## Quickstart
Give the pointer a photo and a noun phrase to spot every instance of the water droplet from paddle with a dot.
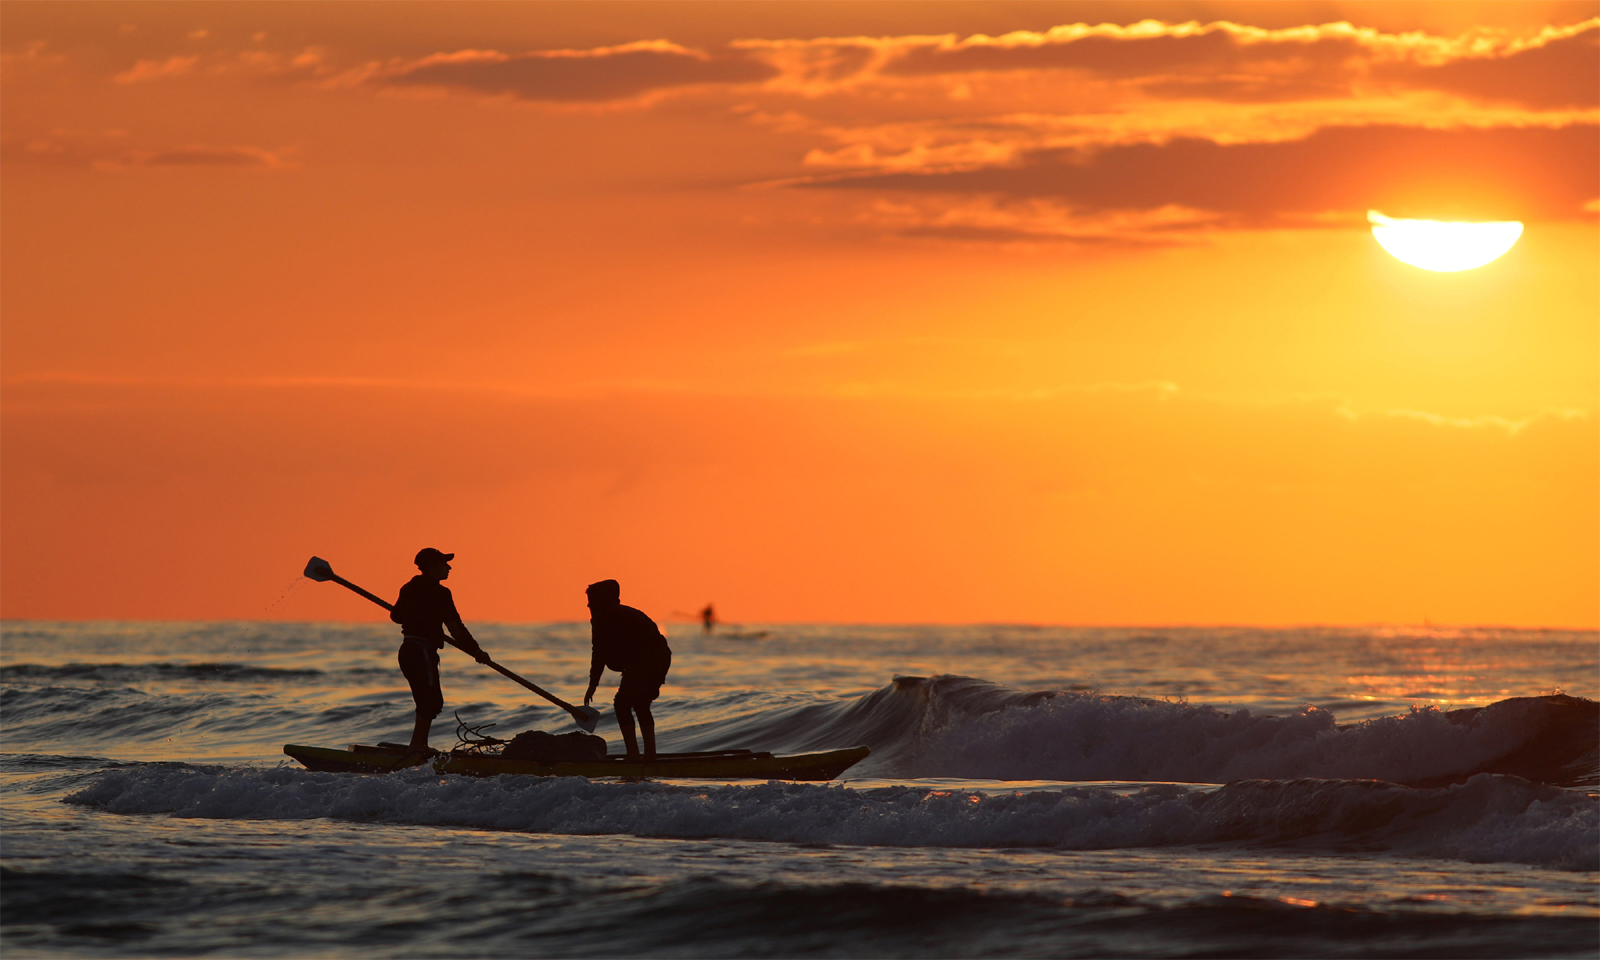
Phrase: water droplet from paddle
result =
(293, 586)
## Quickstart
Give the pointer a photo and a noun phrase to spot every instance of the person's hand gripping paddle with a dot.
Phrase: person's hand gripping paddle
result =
(319, 570)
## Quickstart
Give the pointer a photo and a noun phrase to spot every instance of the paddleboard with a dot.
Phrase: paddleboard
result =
(717, 764)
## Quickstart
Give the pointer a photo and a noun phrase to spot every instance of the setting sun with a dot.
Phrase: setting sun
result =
(1443, 246)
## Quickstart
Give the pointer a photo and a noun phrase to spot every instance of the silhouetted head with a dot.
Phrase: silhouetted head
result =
(606, 593)
(434, 563)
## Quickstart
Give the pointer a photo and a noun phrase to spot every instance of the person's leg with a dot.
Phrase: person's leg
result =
(419, 733)
(625, 724)
(647, 726)
(421, 669)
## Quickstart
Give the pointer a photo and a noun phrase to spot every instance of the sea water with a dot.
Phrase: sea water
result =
(1046, 792)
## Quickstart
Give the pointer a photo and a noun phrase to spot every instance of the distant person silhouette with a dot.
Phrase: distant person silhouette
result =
(630, 643)
(424, 610)
(708, 618)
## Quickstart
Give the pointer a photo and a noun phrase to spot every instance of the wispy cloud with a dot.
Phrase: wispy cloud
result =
(1150, 49)
(600, 74)
(1511, 425)
(987, 218)
(146, 70)
(201, 156)
(110, 151)
(1545, 73)
(1229, 61)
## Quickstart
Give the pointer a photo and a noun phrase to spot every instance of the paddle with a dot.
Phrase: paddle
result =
(586, 717)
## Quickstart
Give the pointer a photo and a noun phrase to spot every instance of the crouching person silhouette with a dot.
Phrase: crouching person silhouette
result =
(627, 641)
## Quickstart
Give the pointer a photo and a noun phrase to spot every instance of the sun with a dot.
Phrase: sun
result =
(1442, 246)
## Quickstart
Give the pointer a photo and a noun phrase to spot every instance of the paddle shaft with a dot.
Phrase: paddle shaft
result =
(341, 581)
(536, 689)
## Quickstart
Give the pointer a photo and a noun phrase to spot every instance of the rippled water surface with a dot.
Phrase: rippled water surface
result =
(1031, 792)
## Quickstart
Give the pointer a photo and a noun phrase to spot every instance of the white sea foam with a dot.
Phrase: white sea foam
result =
(1487, 819)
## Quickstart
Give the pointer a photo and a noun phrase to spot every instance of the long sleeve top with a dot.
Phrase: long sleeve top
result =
(425, 609)
(625, 639)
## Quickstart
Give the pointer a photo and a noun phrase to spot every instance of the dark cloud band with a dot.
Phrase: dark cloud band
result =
(587, 76)
(1502, 173)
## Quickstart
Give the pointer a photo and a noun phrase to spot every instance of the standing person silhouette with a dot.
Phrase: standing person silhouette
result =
(630, 643)
(708, 618)
(424, 610)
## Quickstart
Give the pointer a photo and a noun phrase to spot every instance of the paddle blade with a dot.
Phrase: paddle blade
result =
(318, 569)
(586, 718)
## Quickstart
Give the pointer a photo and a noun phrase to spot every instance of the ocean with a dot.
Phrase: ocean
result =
(1032, 791)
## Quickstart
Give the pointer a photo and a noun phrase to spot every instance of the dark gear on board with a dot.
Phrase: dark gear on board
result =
(627, 641)
(424, 611)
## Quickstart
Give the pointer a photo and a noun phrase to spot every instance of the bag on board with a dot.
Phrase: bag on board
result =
(551, 748)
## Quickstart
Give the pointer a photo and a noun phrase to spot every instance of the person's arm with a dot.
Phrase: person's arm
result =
(402, 605)
(597, 665)
(460, 637)
(462, 640)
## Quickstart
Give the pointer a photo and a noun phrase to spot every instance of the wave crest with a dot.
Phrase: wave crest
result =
(958, 727)
(1489, 818)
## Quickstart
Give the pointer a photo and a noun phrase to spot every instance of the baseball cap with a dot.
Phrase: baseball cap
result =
(428, 555)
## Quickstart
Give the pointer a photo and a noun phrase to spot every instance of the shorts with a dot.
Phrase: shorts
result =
(640, 687)
(420, 664)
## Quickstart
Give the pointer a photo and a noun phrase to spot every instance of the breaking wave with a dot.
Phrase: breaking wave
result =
(960, 727)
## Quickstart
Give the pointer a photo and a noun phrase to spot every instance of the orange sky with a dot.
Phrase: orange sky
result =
(855, 312)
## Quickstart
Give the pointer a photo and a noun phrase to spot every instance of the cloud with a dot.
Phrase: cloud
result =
(1140, 50)
(990, 219)
(606, 73)
(145, 70)
(1510, 425)
(106, 152)
(1235, 62)
(203, 156)
(1500, 173)
(1559, 72)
